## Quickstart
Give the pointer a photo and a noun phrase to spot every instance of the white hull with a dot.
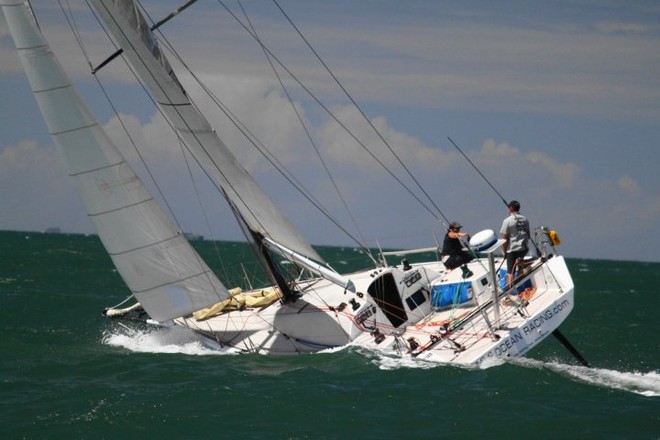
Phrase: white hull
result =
(326, 316)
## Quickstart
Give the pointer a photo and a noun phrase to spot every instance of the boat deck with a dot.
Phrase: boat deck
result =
(472, 332)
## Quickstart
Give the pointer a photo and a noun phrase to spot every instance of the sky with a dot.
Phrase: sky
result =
(557, 104)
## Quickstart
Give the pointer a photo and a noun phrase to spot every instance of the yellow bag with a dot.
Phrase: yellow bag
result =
(553, 237)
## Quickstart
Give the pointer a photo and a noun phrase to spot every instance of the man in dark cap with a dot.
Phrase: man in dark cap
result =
(453, 247)
(515, 230)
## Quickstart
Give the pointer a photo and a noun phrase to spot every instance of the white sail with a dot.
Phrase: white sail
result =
(154, 259)
(140, 47)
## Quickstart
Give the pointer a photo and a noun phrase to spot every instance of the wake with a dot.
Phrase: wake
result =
(180, 340)
(646, 384)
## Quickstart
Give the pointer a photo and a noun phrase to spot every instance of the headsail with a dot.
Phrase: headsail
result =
(154, 259)
(256, 209)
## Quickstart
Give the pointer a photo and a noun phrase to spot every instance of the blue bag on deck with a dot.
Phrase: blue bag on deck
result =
(501, 275)
(445, 295)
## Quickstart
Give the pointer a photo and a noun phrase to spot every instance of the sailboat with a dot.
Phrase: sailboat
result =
(421, 310)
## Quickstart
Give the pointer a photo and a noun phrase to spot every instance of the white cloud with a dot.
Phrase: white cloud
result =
(15, 159)
(628, 184)
(610, 27)
(365, 147)
(565, 173)
(503, 149)
(537, 163)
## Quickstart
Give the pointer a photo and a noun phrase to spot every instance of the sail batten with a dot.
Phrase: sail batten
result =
(127, 251)
(122, 207)
(36, 92)
(81, 173)
(155, 261)
(191, 277)
(82, 127)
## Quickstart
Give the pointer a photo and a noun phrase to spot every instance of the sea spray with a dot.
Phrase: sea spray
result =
(158, 340)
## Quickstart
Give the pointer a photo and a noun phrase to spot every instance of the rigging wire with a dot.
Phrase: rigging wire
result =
(493, 187)
(146, 166)
(116, 112)
(204, 149)
(71, 21)
(536, 247)
(239, 217)
(145, 161)
(172, 14)
(318, 205)
(74, 30)
(336, 119)
(308, 134)
(477, 170)
(261, 147)
(359, 109)
(200, 204)
(256, 142)
(270, 265)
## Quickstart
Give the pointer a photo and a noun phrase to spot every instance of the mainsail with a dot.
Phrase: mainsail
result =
(157, 263)
(256, 209)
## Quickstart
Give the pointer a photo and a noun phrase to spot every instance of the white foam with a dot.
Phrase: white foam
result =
(387, 363)
(492, 362)
(392, 360)
(160, 340)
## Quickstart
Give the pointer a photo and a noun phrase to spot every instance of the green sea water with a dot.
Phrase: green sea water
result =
(68, 373)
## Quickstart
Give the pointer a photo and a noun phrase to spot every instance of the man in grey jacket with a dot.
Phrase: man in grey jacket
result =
(515, 230)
